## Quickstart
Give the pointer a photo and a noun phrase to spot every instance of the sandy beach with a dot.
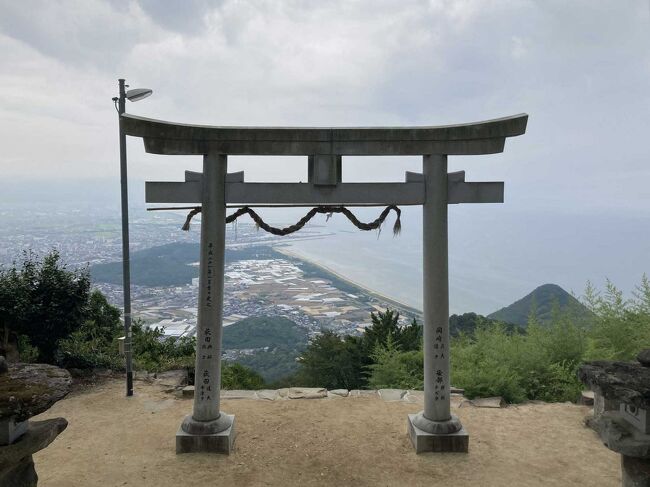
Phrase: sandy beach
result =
(296, 254)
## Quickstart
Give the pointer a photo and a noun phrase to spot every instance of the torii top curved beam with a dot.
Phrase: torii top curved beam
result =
(487, 137)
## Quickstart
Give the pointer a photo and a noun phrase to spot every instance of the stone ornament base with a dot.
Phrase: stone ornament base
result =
(422, 441)
(221, 442)
(16, 461)
(636, 471)
(10, 430)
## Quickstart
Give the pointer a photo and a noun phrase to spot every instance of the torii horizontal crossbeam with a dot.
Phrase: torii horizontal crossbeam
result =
(306, 194)
(487, 137)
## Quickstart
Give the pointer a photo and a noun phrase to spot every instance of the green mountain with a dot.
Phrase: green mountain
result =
(169, 265)
(284, 338)
(264, 331)
(467, 323)
(542, 301)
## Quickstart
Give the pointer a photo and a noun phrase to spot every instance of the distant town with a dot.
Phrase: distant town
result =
(276, 284)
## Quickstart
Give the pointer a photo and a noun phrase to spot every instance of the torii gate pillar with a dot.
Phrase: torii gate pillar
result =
(207, 428)
(435, 428)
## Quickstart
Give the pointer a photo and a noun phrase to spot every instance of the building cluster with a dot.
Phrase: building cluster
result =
(268, 287)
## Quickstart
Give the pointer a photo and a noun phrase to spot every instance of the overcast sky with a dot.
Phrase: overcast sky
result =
(577, 196)
(580, 69)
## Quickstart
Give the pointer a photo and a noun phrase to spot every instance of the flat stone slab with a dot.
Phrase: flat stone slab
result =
(238, 394)
(484, 402)
(307, 393)
(426, 442)
(29, 389)
(188, 391)
(414, 396)
(363, 393)
(340, 392)
(222, 442)
(391, 394)
(268, 394)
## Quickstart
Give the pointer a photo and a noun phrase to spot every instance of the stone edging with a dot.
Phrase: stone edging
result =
(388, 395)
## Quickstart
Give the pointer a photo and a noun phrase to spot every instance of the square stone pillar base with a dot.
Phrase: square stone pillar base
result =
(423, 442)
(222, 442)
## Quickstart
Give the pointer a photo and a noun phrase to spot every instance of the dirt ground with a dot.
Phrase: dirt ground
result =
(112, 440)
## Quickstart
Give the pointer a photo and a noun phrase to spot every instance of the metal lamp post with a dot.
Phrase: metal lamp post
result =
(131, 95)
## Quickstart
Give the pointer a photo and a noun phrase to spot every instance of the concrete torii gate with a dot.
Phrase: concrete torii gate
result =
(434, 428)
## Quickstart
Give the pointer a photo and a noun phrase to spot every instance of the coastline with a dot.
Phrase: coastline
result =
(292, 253)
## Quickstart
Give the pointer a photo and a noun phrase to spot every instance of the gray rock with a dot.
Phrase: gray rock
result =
(391, 394)
(172, 378)
(188, 391)
(644, 357)
(29, 389)
(306, 393)
(3, 365)
(80, 373)
(143, 375)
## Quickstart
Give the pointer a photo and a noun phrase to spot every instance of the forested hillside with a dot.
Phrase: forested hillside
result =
(539, 305)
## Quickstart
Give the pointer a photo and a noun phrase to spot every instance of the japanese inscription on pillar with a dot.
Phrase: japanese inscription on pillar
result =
(440, 387)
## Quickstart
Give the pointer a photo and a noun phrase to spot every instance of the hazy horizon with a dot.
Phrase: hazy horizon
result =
(498, 252)
(576, 184)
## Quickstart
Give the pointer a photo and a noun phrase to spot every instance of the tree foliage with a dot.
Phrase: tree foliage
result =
(43, 300)
(337, 362)
(333, 362)
(385, 327)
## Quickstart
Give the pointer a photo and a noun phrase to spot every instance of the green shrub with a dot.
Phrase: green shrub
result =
(83, 352)
(392, 368)
(236, 376)
(486, 363)
(43, 300)
(154, 352)
(27, 352)
(622, 327)
(557, 382)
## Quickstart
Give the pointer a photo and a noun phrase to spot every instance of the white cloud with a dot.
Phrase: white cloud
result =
(581, 69)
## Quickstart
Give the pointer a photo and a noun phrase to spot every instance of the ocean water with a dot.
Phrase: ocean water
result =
(496, 256)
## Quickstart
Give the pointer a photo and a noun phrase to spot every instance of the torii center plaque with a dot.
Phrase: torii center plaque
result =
(434, 428)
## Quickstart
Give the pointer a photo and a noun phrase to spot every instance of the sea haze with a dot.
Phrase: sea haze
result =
(496, 255)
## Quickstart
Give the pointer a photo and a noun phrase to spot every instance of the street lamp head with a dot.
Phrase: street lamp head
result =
(138, 94)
